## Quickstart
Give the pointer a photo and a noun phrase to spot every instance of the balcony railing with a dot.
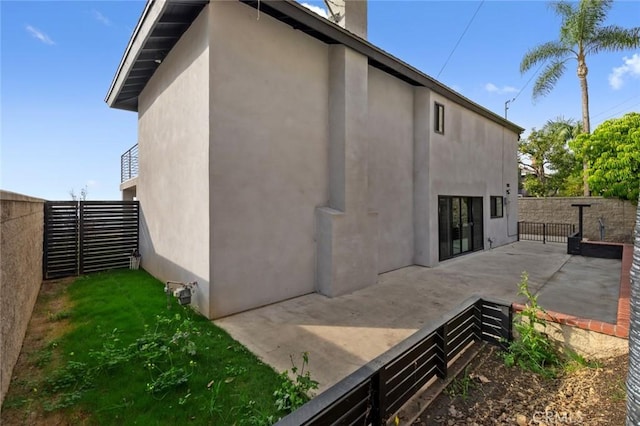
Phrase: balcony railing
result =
(129, 164)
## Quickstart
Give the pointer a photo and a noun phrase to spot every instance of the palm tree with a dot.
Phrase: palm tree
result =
(633, 375)
(581, 33)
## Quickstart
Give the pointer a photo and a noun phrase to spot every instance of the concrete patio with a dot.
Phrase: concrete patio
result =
(343, 333)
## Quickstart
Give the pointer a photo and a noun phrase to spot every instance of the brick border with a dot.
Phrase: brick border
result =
(621, 327)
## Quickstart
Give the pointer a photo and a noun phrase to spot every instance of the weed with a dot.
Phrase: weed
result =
(250, 415)
(59, 316)
(42, 357)
(234, 370)
(532, 350)
(109, 364)
(214, 408)
(461, 386)
(574, 361)
(619, 394)
(293, 394)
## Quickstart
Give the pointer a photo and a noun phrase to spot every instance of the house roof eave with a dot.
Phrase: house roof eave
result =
(139, 55)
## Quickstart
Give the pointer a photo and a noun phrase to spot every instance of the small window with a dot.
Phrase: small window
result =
(496, 207)
(438, 116)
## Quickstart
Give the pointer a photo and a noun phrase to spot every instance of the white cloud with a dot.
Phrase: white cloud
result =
(37, 34)
(317, 9)
(92, 182)
(492, 88)
(101, 18)
(630, 68)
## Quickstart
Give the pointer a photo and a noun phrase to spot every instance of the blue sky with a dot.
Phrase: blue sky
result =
(58, 60)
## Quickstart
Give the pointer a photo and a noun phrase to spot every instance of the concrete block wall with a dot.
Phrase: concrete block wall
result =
(617, 215)
(21, 233)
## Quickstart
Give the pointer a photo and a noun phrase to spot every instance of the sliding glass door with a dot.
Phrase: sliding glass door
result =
(459, 225)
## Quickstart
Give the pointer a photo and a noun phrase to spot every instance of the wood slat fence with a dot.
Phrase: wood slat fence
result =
(372, 394)
(88, 236)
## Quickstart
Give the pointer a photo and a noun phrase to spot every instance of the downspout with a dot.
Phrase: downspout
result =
(507, 202)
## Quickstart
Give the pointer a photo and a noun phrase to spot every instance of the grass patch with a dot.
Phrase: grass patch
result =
(126, 359)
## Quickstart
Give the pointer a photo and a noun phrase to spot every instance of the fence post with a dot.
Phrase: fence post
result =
(378, 402)
(80, 207)
(442, 359)
(519, 231)
(544, 233)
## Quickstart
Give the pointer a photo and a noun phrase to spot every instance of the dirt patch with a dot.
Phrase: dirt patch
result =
(489, 393)
(47, 324)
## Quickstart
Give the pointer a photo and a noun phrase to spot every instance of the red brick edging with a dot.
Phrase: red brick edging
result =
(621, 327)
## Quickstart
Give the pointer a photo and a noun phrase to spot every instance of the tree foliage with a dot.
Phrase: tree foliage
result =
(548, 160)
(582, 33)
(613, 150)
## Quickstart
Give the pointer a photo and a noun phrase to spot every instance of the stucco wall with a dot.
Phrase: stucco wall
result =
(618, 215)
(474, 157)
(21, 233)
(273, 165)
(173, 183)
(269, 157)
(391, 167)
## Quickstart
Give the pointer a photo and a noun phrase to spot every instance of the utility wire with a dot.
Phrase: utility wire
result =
(625, 109)
(613, 107)
(529, 81)
(460, 39)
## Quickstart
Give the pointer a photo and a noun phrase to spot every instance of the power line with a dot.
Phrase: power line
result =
(615, 106)
(529, 81)
(627, 109)
(460, 39)
(510, 101)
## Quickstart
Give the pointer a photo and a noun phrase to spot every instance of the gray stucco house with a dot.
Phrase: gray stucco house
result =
(281, 154)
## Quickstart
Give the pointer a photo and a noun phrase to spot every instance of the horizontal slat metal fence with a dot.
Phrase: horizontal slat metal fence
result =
(88, 236)
(60, 251)
(379, 389)
(545, 232)
(108, 234)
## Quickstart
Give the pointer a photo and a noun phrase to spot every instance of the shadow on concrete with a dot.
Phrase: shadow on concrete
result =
(343, 333)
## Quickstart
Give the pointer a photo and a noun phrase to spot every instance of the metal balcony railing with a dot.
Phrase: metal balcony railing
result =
(129, 164)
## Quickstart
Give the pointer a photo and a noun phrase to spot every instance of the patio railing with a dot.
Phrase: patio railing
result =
(375, 392)
(129, 164)
(545, 232)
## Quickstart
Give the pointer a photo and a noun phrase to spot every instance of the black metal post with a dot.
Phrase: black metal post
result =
(580, 217)
(442, 360)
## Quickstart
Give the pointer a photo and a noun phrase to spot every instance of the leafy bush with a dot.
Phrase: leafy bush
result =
(532, 349)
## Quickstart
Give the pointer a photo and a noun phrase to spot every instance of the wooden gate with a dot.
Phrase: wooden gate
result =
(88, 236)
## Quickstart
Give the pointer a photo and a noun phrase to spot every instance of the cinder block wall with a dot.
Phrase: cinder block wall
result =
(618, 215)
(21, 233)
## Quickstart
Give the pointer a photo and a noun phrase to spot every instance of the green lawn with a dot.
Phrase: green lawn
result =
(127, 359)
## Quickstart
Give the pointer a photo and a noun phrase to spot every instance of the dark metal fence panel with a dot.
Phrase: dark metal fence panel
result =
(379, 389)
(495, 322)
(88, 236)
(60, 251)
(545, 232)
(108, 234)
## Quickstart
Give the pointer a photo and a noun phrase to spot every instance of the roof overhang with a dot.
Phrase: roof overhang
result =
(160, 27)
(164, 21)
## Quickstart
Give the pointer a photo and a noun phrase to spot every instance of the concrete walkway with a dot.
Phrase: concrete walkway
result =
(343, 333)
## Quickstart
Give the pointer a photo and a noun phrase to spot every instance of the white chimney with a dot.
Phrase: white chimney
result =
(350, 15)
